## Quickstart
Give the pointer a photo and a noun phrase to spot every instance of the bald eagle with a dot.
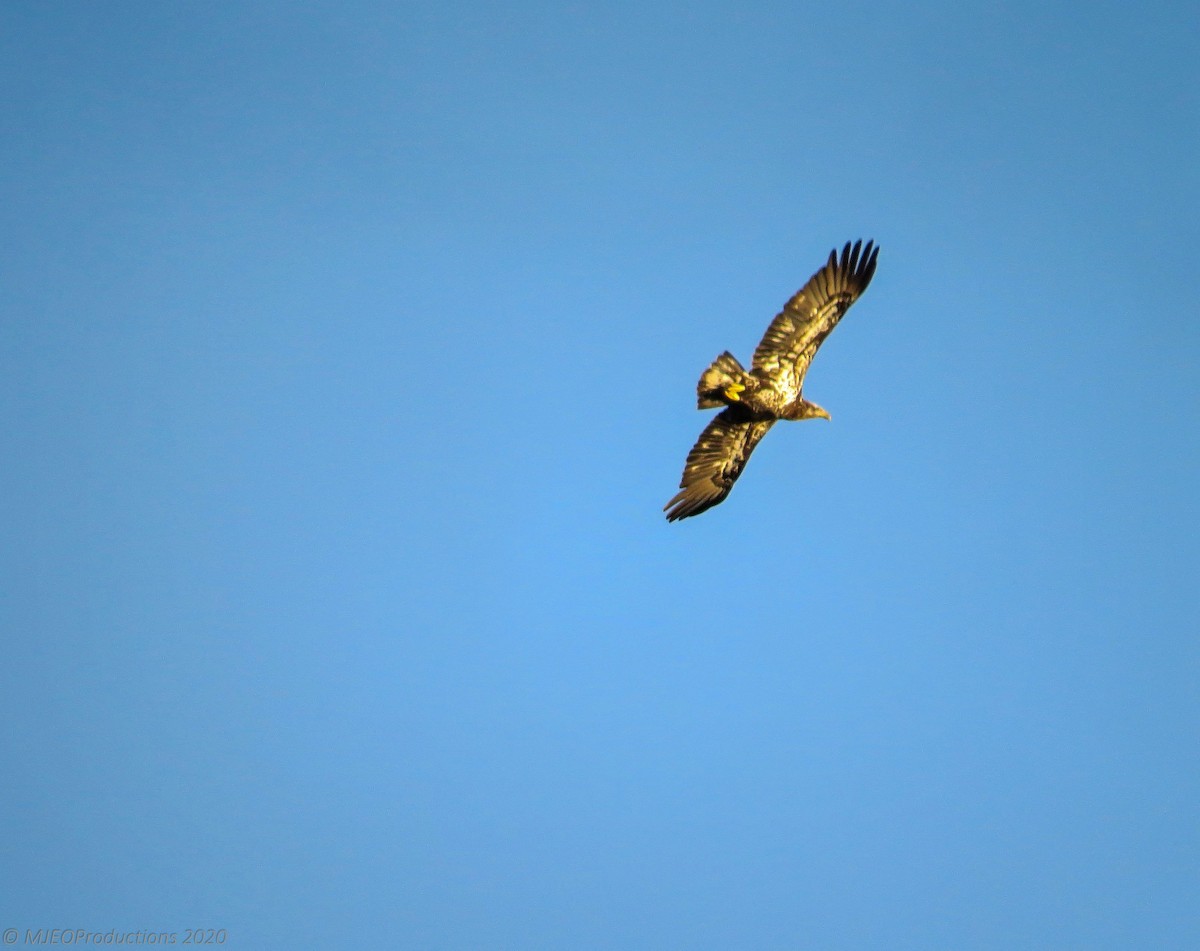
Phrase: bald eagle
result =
(771, 390)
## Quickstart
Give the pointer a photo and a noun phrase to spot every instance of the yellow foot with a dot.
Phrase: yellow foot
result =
(732, 391)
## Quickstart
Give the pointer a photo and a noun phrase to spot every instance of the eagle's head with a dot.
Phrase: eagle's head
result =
(811, 411)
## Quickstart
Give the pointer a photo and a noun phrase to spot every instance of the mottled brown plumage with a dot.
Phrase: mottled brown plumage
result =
(771, 389)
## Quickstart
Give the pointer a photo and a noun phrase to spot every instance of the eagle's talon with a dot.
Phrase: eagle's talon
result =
(732, 391)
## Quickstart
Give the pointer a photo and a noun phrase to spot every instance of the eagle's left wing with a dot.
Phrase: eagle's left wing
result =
(716, 461)
(788, 346)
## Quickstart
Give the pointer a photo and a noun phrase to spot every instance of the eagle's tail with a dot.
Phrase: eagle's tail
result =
(721, 383)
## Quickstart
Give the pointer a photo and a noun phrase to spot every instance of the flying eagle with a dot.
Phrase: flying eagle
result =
(771, 390)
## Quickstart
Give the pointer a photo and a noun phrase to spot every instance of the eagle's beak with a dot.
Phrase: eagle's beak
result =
(823, 413)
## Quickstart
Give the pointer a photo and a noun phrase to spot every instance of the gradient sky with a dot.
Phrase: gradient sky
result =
(347, 357)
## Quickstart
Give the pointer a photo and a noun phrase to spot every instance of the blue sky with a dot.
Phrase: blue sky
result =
(348, 353)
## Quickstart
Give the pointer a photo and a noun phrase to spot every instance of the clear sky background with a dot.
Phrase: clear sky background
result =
(347, 357)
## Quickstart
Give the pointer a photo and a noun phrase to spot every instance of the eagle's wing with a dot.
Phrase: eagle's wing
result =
(716, 461)
(797, 331)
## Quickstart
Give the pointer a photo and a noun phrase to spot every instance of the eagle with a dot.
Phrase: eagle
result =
(771, 390)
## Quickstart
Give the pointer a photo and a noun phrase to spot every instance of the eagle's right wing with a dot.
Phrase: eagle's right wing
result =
(715, 462)
(792, 339)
